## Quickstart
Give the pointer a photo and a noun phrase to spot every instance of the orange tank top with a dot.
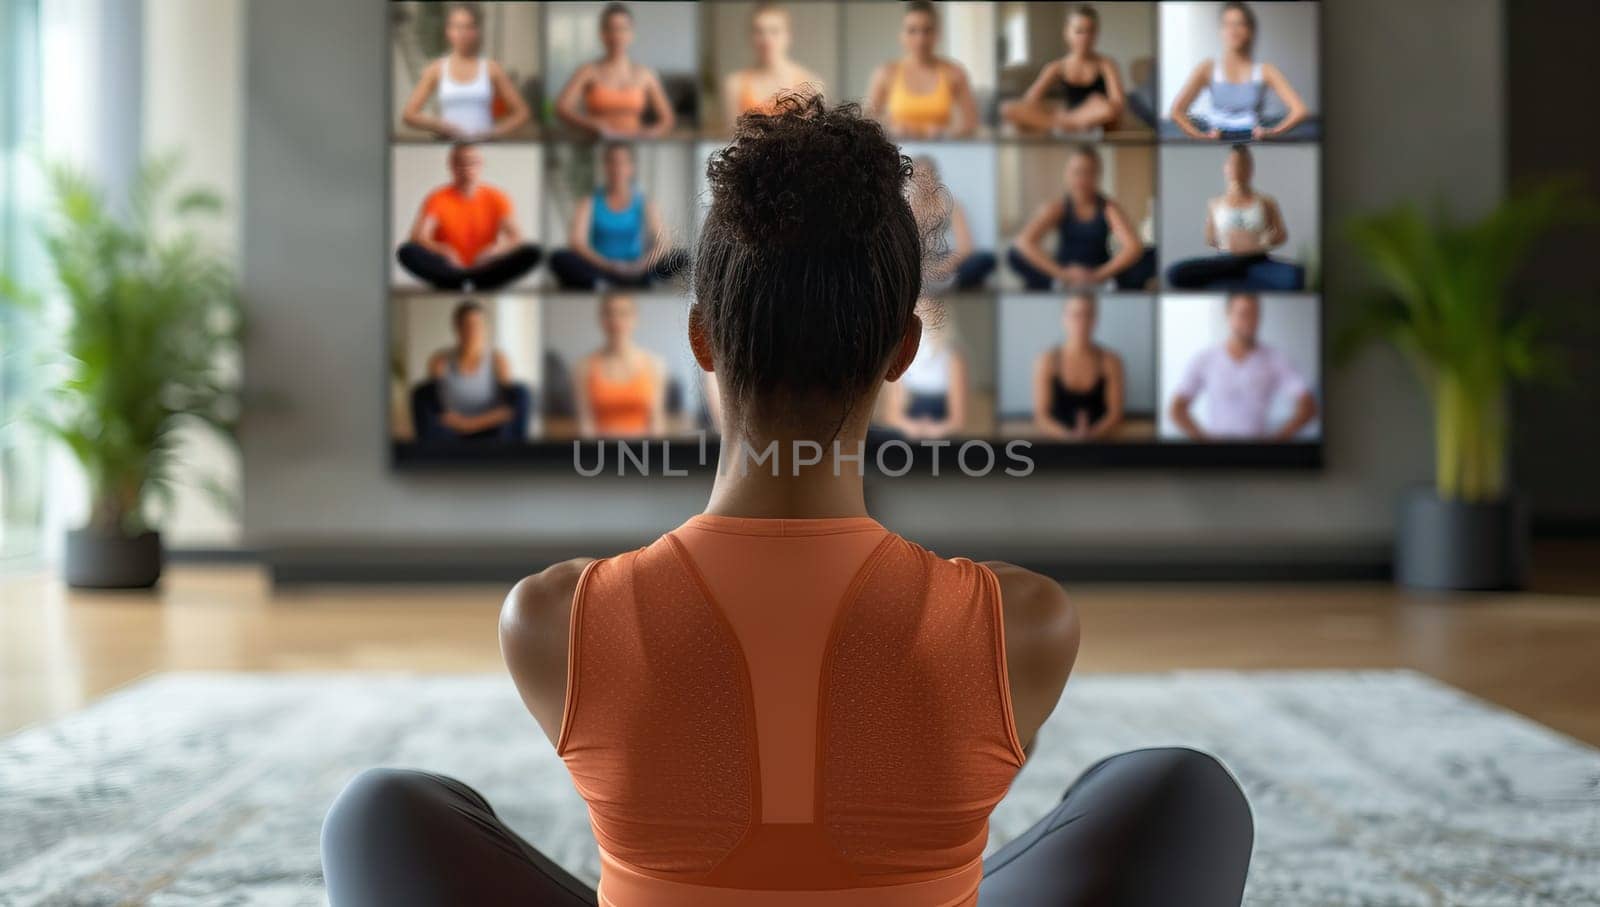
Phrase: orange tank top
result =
(773, 713)
(619, 107)
(620, 407)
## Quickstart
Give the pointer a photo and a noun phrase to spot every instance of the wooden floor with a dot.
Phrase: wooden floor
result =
(1537, 653)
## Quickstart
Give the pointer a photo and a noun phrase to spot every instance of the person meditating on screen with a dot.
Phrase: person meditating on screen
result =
(466, 85)
(959, 265)
(930, 399)
(1235, 88)
(1078, 386)
(470, 394)
(1080, 92)
(464, 235)
(1241, 379)
(1085, 222)
(782, 702)
(923, 95)
(616, 235)
(1244, 225)
(608, 97)
(621, 387)
(771, 33)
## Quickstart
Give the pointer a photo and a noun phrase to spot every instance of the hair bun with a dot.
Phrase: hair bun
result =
(806, 172)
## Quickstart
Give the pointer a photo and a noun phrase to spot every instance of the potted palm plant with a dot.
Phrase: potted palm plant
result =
(1442, 299)
(149, 334)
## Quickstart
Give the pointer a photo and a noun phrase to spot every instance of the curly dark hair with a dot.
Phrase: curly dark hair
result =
(809, 263)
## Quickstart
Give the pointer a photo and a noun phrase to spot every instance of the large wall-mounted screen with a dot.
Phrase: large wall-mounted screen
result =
(1131, 271)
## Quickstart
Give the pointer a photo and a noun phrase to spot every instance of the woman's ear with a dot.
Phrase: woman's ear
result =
(699, 339)
(907, 350)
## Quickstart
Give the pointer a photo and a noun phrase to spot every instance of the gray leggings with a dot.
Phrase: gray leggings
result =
(1140, 829)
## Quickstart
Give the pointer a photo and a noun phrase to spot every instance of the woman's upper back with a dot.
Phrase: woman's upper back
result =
(789, 705)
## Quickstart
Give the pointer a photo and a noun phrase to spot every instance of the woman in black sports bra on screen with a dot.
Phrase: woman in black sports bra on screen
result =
(1078, 385)
(1085, 223)
(1081, 92)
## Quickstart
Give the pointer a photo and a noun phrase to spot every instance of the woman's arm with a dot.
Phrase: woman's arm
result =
(956, 397)
(660, 243)
(1029, 242)
(1191, 90)
(877, 98)
(730, 100)
(1115, 94)
(1042, 633)
(658, 405)
(578, 233)
(1277, 232)
(1280, 86)
(415, 114)
(580, 396)
(1112, 420)
(534, 623)
(966, 104)
(1041, 83)
(1129, 248)
(517, 114)
(656, 96)
(1043, 422)
(569, 103)
(1213, 241)
(960, 234)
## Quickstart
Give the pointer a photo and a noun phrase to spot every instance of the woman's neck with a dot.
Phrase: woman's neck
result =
(917, 58)
(617, 346)
(464, 56)
(1078, 345)
(615, 58)
(830, 488)
(1237, 56)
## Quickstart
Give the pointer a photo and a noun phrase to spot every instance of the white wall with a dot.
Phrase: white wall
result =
(1192, 175)
(1286, 36)
(1031, 324)
(417, 170)
(1191, 323)
(193, 61)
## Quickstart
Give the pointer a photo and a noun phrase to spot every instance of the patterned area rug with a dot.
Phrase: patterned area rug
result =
(1368, 788)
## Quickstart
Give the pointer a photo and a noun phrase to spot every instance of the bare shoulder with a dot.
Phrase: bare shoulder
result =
(533, 639)
(1042, 635)
(541, 602)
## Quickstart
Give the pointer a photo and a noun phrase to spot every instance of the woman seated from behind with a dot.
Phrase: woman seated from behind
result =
(782, 702)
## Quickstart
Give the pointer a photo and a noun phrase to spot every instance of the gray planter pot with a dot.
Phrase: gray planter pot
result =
(99, 560)
(1458, 545)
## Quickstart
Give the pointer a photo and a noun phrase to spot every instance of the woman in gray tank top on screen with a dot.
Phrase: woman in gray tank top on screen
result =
(1234, 88)
(470, 393)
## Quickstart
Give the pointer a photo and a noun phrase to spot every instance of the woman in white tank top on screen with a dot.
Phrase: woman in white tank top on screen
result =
(1243, 225)
(1234, 88)
(464, 85)
(930, 399)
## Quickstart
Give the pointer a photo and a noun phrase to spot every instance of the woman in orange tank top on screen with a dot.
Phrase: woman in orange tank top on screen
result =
(782, 702)
(773, 73)
(620, 386)
(609, 97)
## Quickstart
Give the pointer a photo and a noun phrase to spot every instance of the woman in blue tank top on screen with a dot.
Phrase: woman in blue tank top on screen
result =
(616, 236)
(1235, 88)
(1085, 223)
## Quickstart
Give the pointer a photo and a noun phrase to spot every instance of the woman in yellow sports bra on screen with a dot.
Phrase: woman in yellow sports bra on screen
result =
(609, 97)
(782, 702)
(923, 95)
(773, 73)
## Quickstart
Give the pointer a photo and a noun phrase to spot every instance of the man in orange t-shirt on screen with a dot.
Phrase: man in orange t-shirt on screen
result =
(464, 235)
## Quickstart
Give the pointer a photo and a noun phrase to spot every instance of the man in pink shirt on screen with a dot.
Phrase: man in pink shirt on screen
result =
(1241, 378)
